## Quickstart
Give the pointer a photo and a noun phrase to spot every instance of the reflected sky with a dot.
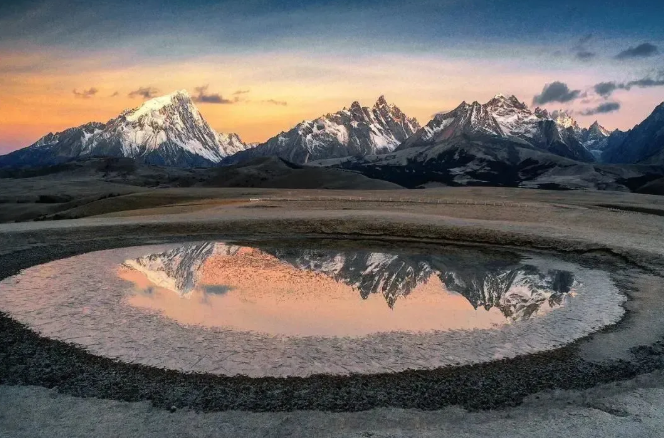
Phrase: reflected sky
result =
(301, 292)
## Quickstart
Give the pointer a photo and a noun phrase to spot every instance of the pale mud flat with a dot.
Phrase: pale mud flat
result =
(570, 222)
(633, 408)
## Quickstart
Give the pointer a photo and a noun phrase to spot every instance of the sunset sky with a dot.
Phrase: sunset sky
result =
(258, 67)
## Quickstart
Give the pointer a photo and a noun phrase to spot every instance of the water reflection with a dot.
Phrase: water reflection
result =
(261, 311)
(307, 292)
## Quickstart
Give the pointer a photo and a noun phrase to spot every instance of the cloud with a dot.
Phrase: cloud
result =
(585, 55)
(144, 92)
(86, 94)
(603, 108)
(204, 97)
(645, 83)
(238, 92)
(116, 94)
(641, 51)
(556, 92)
(605, 89)
(275, 102)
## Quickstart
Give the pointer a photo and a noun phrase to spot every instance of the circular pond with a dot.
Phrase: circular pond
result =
(266, 310)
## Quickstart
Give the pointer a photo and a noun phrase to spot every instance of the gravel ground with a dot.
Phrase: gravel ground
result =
(635, 256)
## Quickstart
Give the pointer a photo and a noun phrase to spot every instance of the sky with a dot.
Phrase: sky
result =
(259, 67)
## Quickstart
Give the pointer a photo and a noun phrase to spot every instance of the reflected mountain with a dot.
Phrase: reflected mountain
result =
(487, 279)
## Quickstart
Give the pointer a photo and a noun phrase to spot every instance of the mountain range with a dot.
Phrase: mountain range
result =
(485, 279)
(501, 142)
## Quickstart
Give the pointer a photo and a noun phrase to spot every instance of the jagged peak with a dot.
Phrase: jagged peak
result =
(381, 101)
(355, 105)
(182, 92)
(503, 100)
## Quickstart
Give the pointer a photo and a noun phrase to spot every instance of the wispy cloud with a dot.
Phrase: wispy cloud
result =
(605, 89)
(203, 96)
(116, 94)
(275, 102)
(238, 92)
(85, 94)
(144, 92)
(581, 50)
(644, 50)
(585, 55)
(603, 108)
(556, 92)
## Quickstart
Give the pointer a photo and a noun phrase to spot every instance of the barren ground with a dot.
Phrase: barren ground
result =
(622, 232)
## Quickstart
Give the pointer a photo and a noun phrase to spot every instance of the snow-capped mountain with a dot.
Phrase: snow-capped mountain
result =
(505, 117)
(356, 130)
(167, 130)
(595, 139)
(484, 279)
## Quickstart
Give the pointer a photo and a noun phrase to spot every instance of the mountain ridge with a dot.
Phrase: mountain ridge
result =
(505, 117)
(355, 130)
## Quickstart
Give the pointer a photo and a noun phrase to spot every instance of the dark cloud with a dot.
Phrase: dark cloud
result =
(275, 102)
(556, 92)
(204, 97)
(585, 55)
(144, 92)
(603, 108)
(641, 51)
(116, 94)
(605, 89)
(645, 83)
(86, 94)
(238, 92)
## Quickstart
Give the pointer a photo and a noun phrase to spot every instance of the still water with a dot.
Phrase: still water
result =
(276, 311)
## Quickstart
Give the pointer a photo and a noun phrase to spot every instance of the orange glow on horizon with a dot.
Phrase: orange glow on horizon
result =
(37, 90)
